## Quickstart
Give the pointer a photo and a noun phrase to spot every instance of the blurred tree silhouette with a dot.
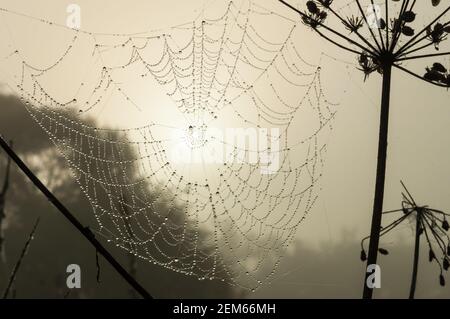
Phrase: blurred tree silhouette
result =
(58, 244)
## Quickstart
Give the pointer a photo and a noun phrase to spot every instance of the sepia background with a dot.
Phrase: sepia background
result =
(322, 262)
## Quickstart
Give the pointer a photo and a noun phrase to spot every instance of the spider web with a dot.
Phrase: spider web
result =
(230, 220)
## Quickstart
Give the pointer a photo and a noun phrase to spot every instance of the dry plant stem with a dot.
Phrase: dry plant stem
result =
(85, 231)
(380, 177)
(12, 278)
(416, 258)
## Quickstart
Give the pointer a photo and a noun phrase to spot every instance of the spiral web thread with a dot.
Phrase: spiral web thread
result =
(228, 221)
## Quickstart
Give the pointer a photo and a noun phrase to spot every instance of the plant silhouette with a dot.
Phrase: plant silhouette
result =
(430, 222)
(380, 49)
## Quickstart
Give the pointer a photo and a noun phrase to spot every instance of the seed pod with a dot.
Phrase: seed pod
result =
(445, 225)
(439, 67)
(442, 280)
(312, 7)
(323, 15)
(363, 255)
(435, 2)
(431, 255)
(445, 264)
(409, 16)
(407, 31)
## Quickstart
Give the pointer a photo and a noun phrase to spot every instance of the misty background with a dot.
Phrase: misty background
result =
(323, 262)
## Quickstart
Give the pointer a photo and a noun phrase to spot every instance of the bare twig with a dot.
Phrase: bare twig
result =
(125, 213)
(19, 261)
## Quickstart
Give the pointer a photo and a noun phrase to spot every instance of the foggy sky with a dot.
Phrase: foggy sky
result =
(324, 260)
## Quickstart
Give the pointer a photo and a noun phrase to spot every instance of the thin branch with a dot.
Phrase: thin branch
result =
(405, 8)
(438, 211)
(439, 240)
(441, 230)
(97, 266)
(425, 230)
(379, 29)
(410, 9)
(434, 218)
(393, 211)
(409, 194)
(369, 27)
(397, 33)
(417, 49)
(430, 246)
(387, 24)
(336, 43)
(19, 261)
(418, 76)
(388, 228)
(423, 56)
(429, 212)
